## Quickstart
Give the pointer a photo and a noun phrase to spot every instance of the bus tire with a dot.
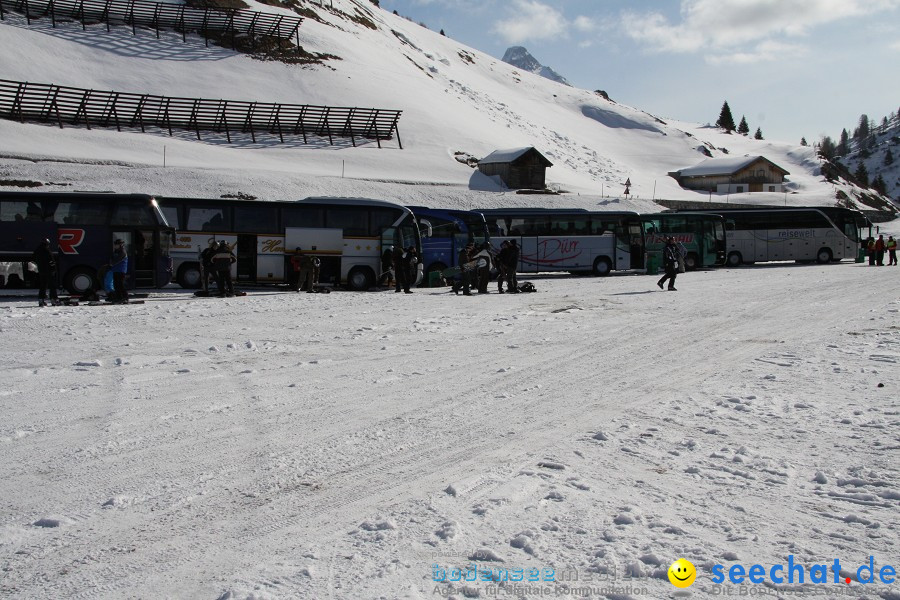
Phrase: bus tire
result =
(691, 261)
(823, 256)
(189, 276)
(80, 280)
(360, 279)
(602, 266)
(734, 259)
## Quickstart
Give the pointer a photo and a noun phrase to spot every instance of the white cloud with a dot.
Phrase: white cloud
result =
(895, 46)
(763, 52)
(584, 24)
(531, 20)
(727, 25)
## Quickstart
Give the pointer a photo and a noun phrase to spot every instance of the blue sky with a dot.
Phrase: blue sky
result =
(792, 67)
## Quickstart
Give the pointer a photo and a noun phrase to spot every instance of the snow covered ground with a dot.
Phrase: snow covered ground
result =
(339, 446)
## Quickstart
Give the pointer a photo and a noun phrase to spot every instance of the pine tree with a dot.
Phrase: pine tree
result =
(862, 131)
(758, 134)
(803, 142)
(826, 148)
(862, 175)
(879, 185)
(843, 146)
(888, 158)
(726, 121)
(442, 33)
(743, 128)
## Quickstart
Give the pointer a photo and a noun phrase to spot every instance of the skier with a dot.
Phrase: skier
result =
(671, 260)
(46, 266)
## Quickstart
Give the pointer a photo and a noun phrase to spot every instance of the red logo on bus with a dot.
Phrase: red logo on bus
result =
(69, 240)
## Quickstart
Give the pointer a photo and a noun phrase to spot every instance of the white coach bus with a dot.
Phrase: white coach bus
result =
(348, 235)
(822, 234)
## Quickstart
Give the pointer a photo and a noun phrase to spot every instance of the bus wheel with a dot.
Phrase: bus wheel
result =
(189, 276)
(80, 280)
(602, 266)
(690, 261)
(735, 259)
(360, 279)
(823, 256)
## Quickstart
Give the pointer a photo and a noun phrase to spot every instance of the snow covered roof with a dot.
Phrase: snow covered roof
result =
(723, 166)
(504, 156)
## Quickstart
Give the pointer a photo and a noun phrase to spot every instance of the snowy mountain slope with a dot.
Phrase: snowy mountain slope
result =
(454, 98)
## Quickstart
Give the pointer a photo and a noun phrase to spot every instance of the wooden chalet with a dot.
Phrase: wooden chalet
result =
(733, 175)
(518, 168)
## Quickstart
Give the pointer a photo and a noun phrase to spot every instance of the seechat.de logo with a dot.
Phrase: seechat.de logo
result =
(682, 573)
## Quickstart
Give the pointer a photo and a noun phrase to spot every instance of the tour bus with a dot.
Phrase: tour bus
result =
(702, 235)
(450, 231)
(820, 233)
(574, 240)
(347, 235)
(81, 228)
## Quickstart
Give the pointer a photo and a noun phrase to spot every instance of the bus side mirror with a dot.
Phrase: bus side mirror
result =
(428, 230)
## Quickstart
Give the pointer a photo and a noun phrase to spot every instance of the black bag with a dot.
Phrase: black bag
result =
(527, 287)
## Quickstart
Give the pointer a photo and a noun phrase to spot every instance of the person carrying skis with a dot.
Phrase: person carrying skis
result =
(671, 260)
(46, 266)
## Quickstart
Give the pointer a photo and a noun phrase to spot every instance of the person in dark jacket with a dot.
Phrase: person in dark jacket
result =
(671, 258)
(222, 261)
(401, 260)
(206, 266)
(407, 268)
(46, 266)
(512, 265)
(483, 270)
(465, 274)
(502, 258)
(387, 267)
(118, 264)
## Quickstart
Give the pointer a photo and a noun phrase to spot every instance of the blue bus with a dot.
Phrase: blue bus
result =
(81, 228)
(450, 231)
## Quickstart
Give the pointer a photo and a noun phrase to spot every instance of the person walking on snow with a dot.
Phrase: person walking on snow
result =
(671, 261)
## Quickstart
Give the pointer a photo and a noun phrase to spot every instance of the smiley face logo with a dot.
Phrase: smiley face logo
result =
(682, 573)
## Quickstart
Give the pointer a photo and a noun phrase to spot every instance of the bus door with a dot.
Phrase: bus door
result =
(245, 252)
(144, 256)
(629, 246)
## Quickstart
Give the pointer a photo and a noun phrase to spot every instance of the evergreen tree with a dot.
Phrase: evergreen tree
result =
(888, 158)
(879, 185)
(743, 128)
(803, 142)
(843, 146)
(862, 131)
(826, 148)
(758, 134)
(884, 124)
(871, 141)
(862, 175)
(726, 121)
(442, 33)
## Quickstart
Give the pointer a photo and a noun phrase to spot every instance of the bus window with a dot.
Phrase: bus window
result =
(381, 219)
(599, 227)
(13, 211)
(353, 222)
(255, 219)
(302, 216)
(133, 213)
(172, 215)
(569, 226)
(81, 213)
(201, 218)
